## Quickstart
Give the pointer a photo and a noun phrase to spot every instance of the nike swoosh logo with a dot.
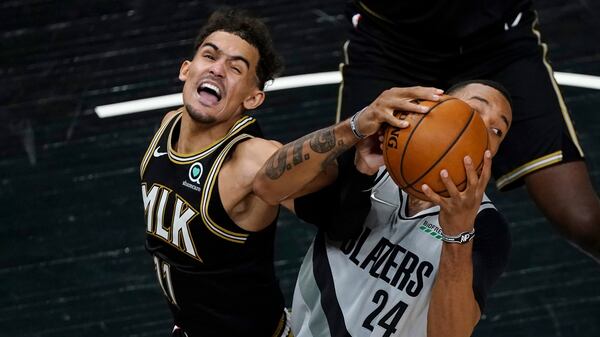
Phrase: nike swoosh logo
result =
(158, 154)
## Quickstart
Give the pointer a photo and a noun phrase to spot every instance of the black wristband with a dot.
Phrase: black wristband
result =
(461, 238)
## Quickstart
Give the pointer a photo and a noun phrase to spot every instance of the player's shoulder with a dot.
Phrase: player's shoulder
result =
(252, 153)
(169, 115)
(257, 147)
(261, 143)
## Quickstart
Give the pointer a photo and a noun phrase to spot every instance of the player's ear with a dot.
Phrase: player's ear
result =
(254, 100)
(184, 70)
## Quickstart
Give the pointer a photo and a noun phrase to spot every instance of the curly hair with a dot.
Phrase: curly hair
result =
(251, 30)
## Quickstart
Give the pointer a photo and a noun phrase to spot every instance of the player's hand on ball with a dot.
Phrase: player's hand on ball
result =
(369, 156)
(381, 110)
(458, 212)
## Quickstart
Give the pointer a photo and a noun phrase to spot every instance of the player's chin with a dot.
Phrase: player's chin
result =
(200, 114)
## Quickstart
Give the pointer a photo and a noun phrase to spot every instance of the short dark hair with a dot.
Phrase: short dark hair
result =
(489, 83)
(251, 30)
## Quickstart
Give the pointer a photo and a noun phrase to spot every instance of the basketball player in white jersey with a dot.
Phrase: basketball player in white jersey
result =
(413, 267)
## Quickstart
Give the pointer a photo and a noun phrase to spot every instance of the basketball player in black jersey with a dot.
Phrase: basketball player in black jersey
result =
(210, 235)
(210, 238)
(440, 42)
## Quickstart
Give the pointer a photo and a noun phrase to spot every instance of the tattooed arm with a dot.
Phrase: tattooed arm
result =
(297, 164)
(290, 170)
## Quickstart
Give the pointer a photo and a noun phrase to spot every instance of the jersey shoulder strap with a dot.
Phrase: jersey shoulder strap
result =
(166, 125)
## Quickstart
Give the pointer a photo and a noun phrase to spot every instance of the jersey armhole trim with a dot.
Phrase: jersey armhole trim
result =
(207, 193)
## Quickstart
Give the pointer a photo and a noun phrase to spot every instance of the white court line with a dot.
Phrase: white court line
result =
(297, 81)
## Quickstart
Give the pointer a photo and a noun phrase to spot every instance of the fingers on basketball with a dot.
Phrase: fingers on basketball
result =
(438, 140)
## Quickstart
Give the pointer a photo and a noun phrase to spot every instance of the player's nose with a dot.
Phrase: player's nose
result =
(217, 68)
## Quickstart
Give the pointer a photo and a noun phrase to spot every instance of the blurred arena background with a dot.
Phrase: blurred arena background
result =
(72, 261)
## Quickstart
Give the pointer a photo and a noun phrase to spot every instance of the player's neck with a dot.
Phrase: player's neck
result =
(417, 205)
(195, 137)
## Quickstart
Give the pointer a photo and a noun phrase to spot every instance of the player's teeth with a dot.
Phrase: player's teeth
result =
(212, 87)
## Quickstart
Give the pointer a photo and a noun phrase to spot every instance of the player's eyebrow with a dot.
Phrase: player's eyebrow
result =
(231, 57)
(485, 101)
(481, 99)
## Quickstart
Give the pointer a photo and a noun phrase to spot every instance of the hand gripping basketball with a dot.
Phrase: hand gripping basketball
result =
(381, 110)
(437, 140)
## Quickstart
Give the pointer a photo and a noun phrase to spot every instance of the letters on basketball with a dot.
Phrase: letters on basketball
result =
(437, 140)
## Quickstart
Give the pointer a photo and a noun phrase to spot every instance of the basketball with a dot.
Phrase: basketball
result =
(436, 140)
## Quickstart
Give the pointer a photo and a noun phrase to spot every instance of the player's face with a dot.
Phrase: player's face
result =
(493, 108)
(220, 81)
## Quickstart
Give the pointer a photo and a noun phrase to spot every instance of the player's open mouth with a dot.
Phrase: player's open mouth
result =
(210, 94)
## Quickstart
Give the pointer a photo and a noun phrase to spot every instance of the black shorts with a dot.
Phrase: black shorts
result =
(378, 57)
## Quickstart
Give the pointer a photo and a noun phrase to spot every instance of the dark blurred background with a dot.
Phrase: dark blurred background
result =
(72, 261)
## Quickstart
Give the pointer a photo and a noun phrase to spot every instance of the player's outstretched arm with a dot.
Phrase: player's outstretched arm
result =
(235, 184)
(453, 310)
(295, 165)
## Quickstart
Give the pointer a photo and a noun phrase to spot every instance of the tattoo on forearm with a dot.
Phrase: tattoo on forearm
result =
(297, 155)
(323, 141)
(334, 154)
(276, 165)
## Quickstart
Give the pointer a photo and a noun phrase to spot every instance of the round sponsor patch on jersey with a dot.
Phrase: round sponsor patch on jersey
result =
(195, 172)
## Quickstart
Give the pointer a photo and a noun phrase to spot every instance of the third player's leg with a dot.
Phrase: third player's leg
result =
(565, 195)
(542, 150)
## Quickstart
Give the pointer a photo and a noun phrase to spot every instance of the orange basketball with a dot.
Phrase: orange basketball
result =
(437, 140)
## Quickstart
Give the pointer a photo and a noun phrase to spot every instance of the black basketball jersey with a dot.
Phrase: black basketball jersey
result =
(218, 278)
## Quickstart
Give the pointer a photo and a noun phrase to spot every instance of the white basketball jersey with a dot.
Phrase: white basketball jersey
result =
(378, 284)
